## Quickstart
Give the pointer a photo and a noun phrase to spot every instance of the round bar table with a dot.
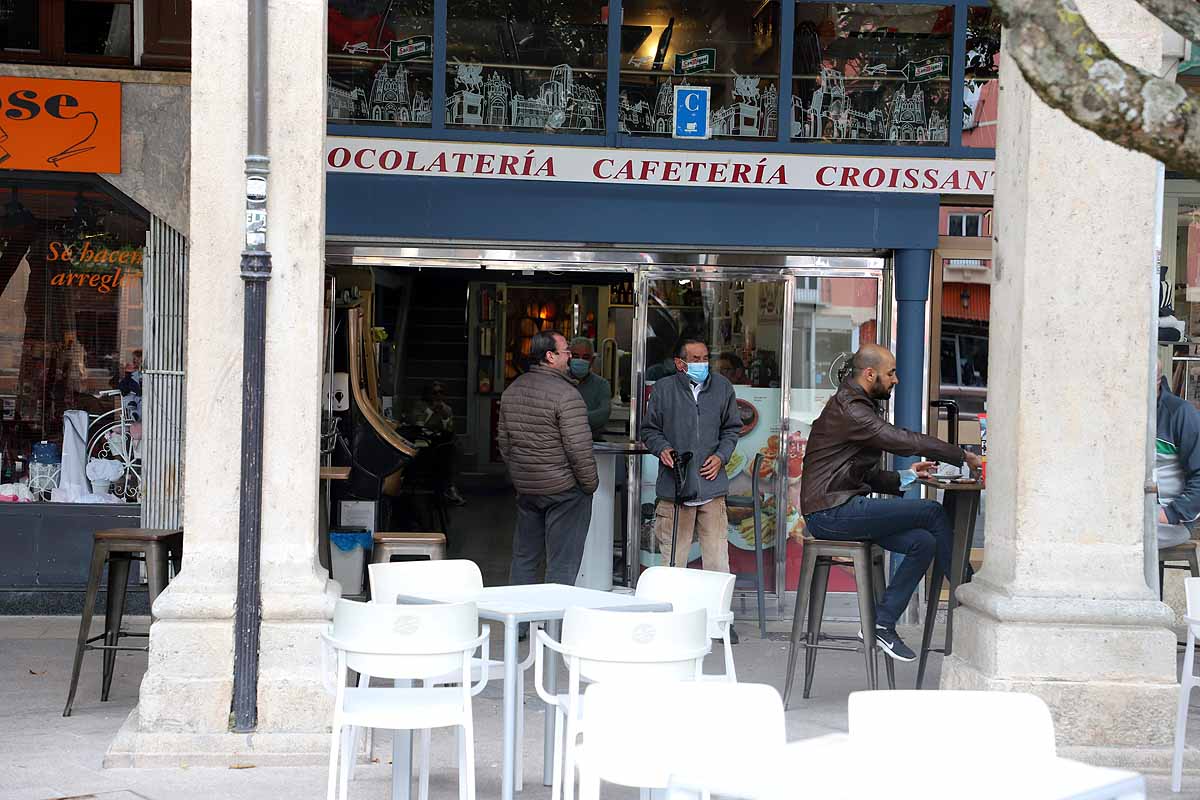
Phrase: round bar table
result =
(961, 500)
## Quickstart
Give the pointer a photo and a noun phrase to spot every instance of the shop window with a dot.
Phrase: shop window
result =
(732, 47)
(964, 357)
(965, 225)
(875, 74)
(381, 62)
(981, 80)
(526, 65)
(70, 338)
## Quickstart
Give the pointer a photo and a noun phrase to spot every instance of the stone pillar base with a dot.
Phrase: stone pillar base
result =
(1105, 669)
(133, 748)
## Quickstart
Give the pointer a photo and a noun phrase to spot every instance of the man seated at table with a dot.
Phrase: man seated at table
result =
(842, 469)
(1176, 466)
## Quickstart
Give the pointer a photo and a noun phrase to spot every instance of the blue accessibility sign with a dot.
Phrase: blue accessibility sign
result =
(691, 112)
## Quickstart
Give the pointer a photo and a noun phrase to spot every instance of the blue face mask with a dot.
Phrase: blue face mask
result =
(579, 367)
(698, 372)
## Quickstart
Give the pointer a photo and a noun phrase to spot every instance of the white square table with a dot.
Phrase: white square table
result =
(513, 605)
(831, 767)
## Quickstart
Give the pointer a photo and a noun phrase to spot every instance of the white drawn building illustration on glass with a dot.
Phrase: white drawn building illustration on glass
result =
(903, 117)
(753, 112)
(561, 102)
(391, 97)
(345, 101)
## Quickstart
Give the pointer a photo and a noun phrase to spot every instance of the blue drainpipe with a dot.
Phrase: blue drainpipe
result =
(912, 294)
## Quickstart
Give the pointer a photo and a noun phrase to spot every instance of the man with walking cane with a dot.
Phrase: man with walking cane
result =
(692, 417)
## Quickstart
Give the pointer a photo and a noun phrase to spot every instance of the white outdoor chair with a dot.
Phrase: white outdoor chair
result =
(387, 580)
(625, 647)
(418, 643)
(693, 735)
(686, 589)
(1188, 680)
(1002, 727)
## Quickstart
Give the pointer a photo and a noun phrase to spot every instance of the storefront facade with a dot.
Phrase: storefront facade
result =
(93, 176)
(785, 246)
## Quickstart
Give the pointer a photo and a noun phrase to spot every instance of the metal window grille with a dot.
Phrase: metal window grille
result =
(165, 322)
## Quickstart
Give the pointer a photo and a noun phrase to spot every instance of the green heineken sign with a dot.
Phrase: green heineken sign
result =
(702, 60)
(410, 48)
(928, 69)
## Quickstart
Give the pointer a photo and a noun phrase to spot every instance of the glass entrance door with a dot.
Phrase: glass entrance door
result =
(780, 337)
(832, 315)
(743, 320)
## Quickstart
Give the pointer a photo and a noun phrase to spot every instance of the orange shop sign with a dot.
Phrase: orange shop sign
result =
(53, 125)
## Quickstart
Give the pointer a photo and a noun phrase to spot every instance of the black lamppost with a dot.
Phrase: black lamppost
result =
(256, 271)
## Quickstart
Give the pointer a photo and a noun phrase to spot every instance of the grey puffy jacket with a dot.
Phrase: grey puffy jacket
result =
(675, 418)
(544, 436)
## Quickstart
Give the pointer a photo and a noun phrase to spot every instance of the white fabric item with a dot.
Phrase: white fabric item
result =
(72, 480)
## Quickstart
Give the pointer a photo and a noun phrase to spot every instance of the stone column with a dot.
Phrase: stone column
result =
(1061, 607)
(183, 715)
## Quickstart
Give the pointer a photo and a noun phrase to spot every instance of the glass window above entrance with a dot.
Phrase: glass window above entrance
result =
(859, 77)
(732, 47)
(381, 61)
(534, 65)
(872, 73)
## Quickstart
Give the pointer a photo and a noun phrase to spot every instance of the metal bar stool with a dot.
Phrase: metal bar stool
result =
(388, 544)
(754, 501)
(1170, 558)
(818, 556)
(118, 548)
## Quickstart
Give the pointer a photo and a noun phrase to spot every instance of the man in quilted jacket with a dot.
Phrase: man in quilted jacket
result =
(545, 440)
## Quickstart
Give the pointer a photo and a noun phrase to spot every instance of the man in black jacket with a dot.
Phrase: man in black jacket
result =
(842, 468)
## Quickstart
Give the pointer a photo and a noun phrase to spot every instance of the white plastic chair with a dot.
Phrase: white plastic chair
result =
(686, 589)
(623, 647)
(692, 735)
(423, 643)
(1188, 680)
(387, 580)
(992, 727)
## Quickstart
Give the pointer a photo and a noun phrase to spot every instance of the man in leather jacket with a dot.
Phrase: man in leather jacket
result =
(842, 468)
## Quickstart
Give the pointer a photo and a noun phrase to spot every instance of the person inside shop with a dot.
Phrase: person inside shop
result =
(597, 392)
(434, 413)
(1176, 465)
(73, 359)
(544, 438)
(693, 411)
(731, 366)
(842, 469)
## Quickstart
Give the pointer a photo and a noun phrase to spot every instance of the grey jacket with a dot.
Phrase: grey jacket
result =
(674, 418)
(543, 434)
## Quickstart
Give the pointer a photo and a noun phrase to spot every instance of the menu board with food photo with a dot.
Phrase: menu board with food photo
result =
(760, 435)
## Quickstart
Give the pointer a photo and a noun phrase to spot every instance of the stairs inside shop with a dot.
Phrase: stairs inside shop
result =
(436, 341)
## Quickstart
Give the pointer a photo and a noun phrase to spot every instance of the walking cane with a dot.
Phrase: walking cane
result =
(680, 473)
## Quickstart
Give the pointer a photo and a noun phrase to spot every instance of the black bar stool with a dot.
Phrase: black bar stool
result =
(754, 501)
(818, 556)
(1179, 556)
(118, 548)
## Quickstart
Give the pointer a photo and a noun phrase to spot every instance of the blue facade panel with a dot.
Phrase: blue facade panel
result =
(427, 208)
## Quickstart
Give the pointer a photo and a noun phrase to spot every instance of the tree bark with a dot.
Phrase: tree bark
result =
(1073, 71)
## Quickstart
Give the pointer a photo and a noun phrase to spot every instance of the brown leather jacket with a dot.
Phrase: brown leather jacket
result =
(544, 436)
(841, 459)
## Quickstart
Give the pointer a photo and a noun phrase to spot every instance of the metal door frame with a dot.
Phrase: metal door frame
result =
(876, 268)
(747, 263)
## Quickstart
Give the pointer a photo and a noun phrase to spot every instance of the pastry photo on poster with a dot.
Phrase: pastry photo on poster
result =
(759, 408)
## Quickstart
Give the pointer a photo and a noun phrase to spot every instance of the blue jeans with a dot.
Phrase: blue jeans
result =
(917, 529)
